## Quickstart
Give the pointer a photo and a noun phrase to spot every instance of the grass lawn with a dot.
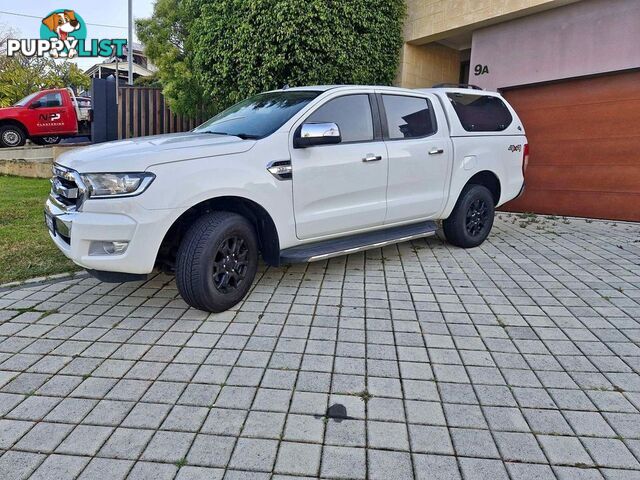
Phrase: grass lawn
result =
(26, 251)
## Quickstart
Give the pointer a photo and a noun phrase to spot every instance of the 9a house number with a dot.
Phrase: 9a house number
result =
(480, 69)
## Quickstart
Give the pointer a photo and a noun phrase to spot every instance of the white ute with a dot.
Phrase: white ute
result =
(293, 175)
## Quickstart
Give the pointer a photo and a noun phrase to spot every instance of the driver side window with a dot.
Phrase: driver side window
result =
(50, 100)
(352, 114)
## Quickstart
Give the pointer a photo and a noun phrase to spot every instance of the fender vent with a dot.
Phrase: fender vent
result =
(281, 169)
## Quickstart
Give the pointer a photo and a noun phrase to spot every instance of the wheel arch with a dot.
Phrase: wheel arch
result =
(488, 179)
(268, 239)
(17, 123)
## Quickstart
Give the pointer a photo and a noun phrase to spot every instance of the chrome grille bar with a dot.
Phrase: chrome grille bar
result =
(67, 187)
(59, 189)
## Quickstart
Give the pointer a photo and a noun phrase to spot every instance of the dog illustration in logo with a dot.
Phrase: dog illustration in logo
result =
(62, 24)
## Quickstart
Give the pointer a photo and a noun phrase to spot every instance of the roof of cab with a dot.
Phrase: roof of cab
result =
(324, 88)
(467, 91)
(315, 88)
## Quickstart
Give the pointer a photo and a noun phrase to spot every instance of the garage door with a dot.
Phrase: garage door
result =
(584, 138)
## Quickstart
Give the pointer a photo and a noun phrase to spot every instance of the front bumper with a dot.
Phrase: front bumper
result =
(143, 229)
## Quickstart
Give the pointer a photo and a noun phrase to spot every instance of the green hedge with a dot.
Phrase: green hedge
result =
(213, 53)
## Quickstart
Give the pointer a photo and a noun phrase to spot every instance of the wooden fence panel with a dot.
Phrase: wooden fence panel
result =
(127, 115)
(156, 111)
(120, 95)
(144, 119)
(136, 111)
(144, 111)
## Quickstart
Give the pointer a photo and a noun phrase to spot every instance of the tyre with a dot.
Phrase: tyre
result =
(472, 218)
(12, 136)
(217, 261)
(46, 140)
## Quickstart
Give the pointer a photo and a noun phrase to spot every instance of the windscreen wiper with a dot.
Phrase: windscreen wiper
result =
(243, 136)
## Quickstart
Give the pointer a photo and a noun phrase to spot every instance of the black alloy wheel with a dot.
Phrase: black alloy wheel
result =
(471, 220)
(477, 217)
(230, 264)
(217, 261)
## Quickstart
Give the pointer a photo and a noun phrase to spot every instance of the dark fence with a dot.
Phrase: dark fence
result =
(144, 111)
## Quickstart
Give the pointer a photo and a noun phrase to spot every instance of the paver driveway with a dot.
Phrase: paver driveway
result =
(519, 359)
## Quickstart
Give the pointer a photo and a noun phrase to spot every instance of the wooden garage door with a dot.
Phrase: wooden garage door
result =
(584, 139)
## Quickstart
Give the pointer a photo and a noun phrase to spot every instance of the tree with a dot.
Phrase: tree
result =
(164, 36)
(212, 53)
(67, 74)
(20, 75)
(150, 81)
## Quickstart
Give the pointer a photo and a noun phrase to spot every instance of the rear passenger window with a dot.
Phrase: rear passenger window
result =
(352, 114)
(408, 117)
(481, 113)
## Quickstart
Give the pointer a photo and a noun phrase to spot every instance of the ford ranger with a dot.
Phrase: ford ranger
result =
(292, 175)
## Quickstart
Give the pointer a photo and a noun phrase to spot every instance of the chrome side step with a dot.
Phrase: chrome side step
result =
(336, 247)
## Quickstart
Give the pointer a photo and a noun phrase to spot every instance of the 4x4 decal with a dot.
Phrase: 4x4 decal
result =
(515, 148)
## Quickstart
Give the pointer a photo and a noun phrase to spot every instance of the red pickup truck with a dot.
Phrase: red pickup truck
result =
(44, 118)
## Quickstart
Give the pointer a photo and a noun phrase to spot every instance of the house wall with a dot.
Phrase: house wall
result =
(431, 20)
(426, 65)
(589, 37)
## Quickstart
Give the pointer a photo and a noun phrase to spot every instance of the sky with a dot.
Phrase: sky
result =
(105, 12)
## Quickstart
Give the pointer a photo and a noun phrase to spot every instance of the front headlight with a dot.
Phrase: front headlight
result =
(107, 185)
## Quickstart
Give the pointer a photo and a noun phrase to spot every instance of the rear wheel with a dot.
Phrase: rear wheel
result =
(46, 140)
(12, 136)
(217, 261)
(472, 218)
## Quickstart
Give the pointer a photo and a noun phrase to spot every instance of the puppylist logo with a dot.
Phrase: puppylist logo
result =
(63, 34)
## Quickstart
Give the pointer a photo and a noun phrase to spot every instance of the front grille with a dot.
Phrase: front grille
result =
(66, 187)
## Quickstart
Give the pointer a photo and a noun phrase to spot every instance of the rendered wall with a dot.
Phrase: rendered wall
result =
(429, 20)
(426, 65)
(585, 38)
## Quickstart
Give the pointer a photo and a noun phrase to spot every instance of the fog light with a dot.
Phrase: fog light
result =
(107, 248)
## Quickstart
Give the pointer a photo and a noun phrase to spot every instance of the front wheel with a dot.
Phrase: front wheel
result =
(217, 261)
(472, 218)
(46, 140)
(12, 136)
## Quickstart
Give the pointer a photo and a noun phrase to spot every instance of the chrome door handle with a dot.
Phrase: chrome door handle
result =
(372, 158)
(436, 151)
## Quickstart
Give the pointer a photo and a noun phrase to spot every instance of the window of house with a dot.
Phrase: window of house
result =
(481, 113)
(408, 117)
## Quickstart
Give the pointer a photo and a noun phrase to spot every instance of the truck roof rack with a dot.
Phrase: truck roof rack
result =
(456, 85)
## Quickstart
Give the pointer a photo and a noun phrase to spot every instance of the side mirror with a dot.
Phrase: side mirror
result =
(35, 104)
(311, 134)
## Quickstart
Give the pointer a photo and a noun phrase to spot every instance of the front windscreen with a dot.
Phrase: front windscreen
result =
(258, 116)
(25, 100)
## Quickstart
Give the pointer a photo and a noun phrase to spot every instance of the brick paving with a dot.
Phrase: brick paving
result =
(516, 360)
